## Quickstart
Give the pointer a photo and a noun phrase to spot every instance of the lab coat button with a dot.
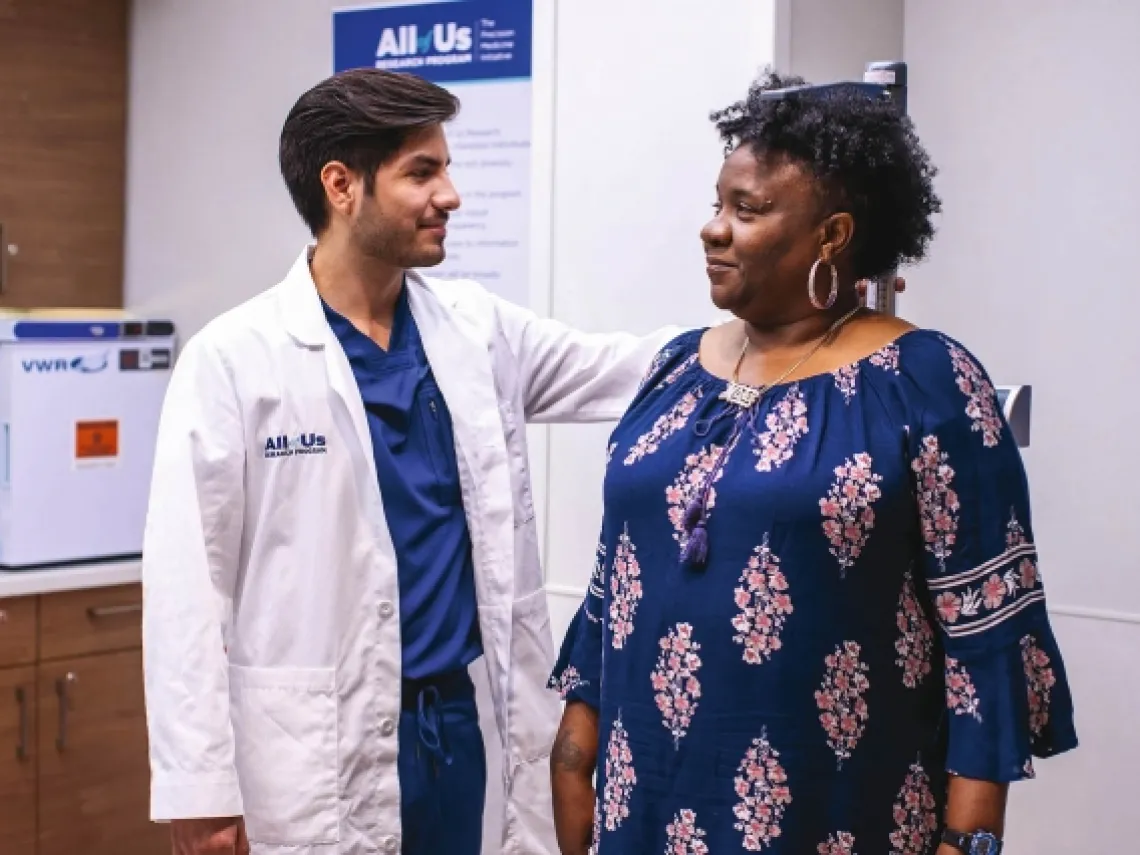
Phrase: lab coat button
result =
(387, 727)
(386, 610)
(391, 844)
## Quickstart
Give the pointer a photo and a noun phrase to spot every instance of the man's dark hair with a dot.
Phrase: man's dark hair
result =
(864, 154)
(361, 118)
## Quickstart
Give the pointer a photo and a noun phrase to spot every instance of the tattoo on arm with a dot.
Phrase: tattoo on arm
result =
(568, 756)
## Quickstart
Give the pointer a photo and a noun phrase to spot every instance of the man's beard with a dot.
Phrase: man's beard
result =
(384, 242)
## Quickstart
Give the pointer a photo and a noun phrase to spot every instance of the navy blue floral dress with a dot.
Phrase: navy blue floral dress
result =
(804, 614)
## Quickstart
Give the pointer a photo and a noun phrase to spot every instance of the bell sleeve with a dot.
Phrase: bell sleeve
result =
(1007, 696)
(577, 674)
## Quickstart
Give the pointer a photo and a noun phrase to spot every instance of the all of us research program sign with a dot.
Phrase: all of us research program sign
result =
(481, 50)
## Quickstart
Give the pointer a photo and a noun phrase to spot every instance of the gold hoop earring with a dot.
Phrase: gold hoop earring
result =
(831, 297)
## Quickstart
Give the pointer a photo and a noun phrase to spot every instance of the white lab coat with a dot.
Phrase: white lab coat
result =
(271, 623)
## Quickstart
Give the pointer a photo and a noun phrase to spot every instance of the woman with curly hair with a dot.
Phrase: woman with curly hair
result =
(816, 623)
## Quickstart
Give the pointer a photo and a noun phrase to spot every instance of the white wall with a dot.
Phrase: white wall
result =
(823, 41)
(1028, 108)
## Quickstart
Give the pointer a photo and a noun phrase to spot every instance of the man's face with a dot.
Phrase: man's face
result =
(404, 221)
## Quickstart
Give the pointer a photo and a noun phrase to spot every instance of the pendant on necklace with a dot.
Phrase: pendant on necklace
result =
(740, 395)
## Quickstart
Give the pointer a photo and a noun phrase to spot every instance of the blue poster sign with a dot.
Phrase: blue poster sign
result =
(448, 41)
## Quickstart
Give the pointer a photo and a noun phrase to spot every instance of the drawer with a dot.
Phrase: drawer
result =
(17, 631)
(74, 623)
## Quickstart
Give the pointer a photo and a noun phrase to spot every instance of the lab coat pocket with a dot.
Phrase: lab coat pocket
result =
(534, 708)
(285, 728)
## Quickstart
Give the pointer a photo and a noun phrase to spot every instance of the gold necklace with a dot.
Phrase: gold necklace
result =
(745, 396)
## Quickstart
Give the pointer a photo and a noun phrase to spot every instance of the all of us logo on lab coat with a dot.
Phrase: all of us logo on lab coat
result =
(288, 446)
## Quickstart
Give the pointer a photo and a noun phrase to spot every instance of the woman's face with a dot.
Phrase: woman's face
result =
(764, 238)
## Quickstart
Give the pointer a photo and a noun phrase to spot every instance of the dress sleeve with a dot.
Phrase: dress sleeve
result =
(577, 674)
(1007, 696)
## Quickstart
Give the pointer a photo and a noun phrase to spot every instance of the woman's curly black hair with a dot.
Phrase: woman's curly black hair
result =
(864, 154)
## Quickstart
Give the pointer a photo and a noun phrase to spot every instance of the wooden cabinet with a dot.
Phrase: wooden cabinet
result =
(63, 104)
(18, 760)
(74, 774)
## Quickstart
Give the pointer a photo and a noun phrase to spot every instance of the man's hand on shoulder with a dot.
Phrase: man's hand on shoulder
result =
(223, 835)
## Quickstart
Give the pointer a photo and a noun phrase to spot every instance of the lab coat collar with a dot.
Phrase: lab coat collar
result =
(301, 309)
(303, 313)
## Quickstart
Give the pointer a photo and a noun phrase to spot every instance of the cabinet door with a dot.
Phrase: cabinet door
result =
(94, 775)
(18, 760)
(63, 103)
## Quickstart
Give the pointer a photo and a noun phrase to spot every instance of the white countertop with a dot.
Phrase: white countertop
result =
(74, 577)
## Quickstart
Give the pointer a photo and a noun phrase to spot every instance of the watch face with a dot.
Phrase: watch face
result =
(984, 844)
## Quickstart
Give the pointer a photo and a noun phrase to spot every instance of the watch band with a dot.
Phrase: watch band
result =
(978, 843)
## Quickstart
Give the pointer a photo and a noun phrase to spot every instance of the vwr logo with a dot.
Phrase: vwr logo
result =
(73, 365)
(407, 41)
(287, 446)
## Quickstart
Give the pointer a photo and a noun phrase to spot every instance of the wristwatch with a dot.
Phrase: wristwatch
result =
(978, 843)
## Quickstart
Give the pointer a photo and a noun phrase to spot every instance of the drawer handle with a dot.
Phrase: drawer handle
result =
(22, 745)
(96, 612)
(61, 691)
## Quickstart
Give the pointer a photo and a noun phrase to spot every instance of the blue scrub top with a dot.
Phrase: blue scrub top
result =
(414, 449)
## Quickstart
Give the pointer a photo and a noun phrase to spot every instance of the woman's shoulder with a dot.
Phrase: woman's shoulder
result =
(947, 382)
(679, 354)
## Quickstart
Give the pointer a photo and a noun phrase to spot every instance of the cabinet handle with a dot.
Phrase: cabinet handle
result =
(96, 612)
(61, 685)
(22, 745)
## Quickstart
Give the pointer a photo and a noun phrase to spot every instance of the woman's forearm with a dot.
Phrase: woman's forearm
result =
(572, 764)
(974, 806)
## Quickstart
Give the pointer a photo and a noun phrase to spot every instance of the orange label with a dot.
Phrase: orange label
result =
(96, 440)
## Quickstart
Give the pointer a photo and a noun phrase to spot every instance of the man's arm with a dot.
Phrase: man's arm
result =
(572, 376)
(190, 555)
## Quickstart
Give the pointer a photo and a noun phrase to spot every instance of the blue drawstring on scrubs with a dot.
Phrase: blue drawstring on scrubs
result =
(432, 730)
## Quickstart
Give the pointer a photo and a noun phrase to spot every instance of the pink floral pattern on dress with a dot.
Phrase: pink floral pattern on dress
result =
(610, 452)
(915, 644)
(1028, 575)
(847, 512)
(840, 843)
(1014, 532)
(567, 682)
(845, 380)
(675, 375)
(961, 695)
(620, 777)
(887, 358)
(914, 815)
(688, 486)
(1005, 584)
(786, 423)
(683, 837)
(625, 590)
(662, 356)
(937, 501)
(675, 680)
(843, 709)
(764, 603)
(981, 398)
(595, 837)
(1039, 679)
(664, 427)
(762, 787)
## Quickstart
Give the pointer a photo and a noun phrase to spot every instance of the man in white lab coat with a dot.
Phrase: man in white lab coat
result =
(341, 519)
